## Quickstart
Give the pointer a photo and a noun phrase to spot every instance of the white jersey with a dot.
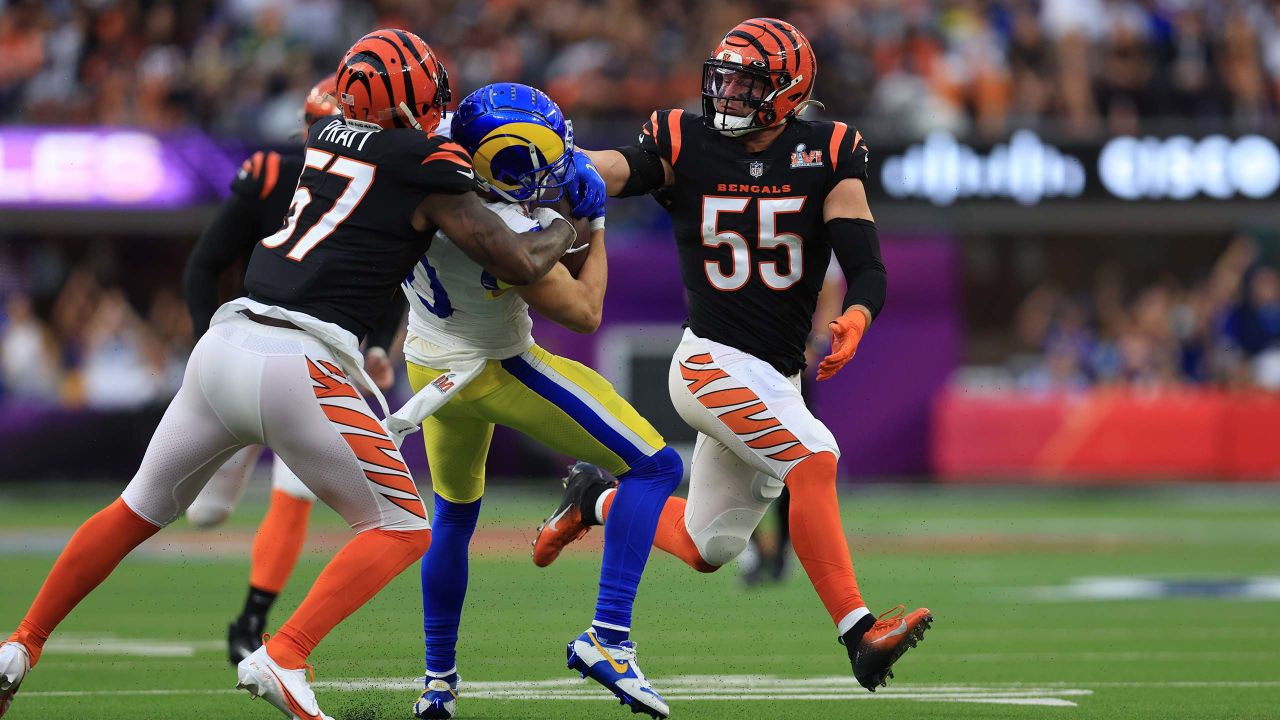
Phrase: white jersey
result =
(457, 310)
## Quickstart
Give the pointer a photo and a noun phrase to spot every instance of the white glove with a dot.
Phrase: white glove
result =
(544, 216)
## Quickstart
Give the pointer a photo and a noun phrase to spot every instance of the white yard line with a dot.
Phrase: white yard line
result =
(110, 645)
(734, 688)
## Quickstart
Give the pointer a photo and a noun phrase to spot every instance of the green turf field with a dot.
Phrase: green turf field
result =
(1016, 634)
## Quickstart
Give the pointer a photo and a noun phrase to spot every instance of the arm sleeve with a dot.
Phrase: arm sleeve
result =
(856, 245)
(659, 140)
(849, 155)
(232, 231)
(384, 331)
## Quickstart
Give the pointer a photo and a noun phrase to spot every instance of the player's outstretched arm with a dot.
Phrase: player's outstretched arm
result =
(514, 258)
(852, 232)
(631, 170)
(575, 303)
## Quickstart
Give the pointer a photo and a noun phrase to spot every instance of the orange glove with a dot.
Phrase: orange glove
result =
(846, 333)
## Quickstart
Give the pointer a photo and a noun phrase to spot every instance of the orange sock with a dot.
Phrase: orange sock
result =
(93, 552)
(278, 543)
(672, 535)
(359, 570)
(818, 537)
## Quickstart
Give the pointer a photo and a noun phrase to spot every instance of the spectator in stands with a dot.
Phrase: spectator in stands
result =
(30, 368)
(985, 66)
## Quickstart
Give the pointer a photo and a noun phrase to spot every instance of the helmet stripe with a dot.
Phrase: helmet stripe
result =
(791, 34)
(751, 40)
(379, 68)
(777, 39)
(404, 38)
(406, 75)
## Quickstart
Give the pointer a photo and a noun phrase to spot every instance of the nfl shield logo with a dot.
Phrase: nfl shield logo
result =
(756, 168)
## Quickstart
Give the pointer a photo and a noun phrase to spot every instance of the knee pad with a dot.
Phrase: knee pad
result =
(766, 488)
(725, 538)
(207, 515)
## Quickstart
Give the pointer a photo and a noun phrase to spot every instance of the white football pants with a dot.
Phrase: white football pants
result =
(753, 428)
(222, 494)
(252, 384)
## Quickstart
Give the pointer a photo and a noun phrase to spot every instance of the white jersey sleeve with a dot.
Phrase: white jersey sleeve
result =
(457, 310)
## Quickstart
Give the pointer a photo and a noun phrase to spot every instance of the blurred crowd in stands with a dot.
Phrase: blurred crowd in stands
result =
(1072, 67)
(82, 335)
(1221, 328)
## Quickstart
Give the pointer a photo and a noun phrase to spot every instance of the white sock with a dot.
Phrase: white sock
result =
(848, 621)
(600, 504)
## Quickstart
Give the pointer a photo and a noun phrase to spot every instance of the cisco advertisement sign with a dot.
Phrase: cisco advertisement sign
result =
(1028, 170)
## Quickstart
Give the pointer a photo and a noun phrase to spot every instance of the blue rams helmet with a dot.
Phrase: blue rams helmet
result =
(520, 142)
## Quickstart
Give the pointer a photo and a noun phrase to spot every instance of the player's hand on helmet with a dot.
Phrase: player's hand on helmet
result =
(846, 333)
(586, 189)
(378, 365)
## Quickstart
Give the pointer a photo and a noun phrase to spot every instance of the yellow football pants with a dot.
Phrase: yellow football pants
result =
(563, 404)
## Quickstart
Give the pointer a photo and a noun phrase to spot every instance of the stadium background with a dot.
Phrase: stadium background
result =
(1077, 200)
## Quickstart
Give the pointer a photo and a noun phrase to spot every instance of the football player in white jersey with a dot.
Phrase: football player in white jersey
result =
(470, 345)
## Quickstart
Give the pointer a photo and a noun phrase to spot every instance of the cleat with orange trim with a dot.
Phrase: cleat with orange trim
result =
(571, 520)
(15, 663)
(893, 633)
(287, 690)
(615, 667)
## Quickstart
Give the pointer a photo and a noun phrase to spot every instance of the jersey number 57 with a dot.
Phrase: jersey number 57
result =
(359, 177)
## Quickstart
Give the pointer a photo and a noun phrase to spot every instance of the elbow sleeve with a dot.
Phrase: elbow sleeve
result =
(856, 245)
(646, 171)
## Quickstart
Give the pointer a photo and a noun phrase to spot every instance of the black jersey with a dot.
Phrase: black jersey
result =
(259, 200)
(348, 240)
(266, 182)
(749, 228)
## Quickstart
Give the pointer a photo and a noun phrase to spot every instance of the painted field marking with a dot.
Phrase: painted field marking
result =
(111, 645)
(1093, 589)
(733, 689)
(170, 648)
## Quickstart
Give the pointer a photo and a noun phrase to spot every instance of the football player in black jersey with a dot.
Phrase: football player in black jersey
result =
(282, 367)
(260, 195)
(760, 198)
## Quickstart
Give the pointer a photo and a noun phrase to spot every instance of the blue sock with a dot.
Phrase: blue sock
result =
(444, 581)
(628, 538)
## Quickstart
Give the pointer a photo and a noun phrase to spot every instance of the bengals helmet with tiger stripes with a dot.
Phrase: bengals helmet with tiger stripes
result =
(390, 78)
(759, 76)
(322, 101)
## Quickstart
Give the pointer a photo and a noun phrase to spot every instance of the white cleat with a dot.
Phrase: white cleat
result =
(440, 700)
(14, 665)
(287, 690)
(615, 667)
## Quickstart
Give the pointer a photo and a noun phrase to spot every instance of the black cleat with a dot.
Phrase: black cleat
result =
(244, 636)
(571, 520)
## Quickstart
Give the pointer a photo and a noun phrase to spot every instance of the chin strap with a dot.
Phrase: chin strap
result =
(408, 116)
